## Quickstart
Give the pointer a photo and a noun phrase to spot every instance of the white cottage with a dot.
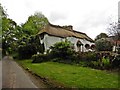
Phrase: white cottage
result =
(54, 33)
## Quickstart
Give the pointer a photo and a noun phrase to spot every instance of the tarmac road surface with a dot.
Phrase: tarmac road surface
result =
(13, 76)
(0, 74)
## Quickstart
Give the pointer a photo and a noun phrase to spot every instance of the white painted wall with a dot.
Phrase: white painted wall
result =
(51, 40)
(84, 42)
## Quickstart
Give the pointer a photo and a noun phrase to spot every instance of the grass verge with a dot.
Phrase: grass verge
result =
(73, 76)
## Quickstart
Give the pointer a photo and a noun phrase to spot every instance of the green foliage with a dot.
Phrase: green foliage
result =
(103, 45)
(72, 76)
(94, 60)
(100, 36)
(2, 12)
(95, 64)
(101, 64)
(28, 38)
(22, 37)
(116, 62)
(119, 50)
(63, 51)
(34, 23)
(38, 58)
(106, 62)
(87, 56)
(26, 52)
(28, 46)
(8, 33)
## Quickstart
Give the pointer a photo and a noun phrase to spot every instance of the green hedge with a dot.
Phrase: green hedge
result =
(26, 51)
(116, 62)
(38, 58)
(87, 56)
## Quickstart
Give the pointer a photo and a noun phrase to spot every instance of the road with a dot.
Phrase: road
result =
(13, 76)
(0, 74)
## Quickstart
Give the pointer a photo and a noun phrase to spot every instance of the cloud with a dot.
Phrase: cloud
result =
(94, 23)
(89, 16)
(57, 16)
(119, 10)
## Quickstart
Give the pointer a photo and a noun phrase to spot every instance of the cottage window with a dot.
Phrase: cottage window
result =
(92, 47)
(42, 36)
(79, 45)
(87, 46)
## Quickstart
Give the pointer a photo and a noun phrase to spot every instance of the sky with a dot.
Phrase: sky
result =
(89, 16)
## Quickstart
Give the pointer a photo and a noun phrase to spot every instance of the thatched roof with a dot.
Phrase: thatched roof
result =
(61, 31)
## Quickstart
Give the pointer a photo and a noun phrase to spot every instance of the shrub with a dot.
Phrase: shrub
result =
(119, 50)
(103, 45)
(116, 62)
(84, 64)
(15, 55)
(106, 63)
(63, 52)
(87, 56)
(38, 58)
(95, 64)
(94, 60)
(26, 51)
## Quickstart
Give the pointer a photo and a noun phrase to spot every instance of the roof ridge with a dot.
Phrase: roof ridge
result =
(58, 26)
(64, 32)
(66, 28)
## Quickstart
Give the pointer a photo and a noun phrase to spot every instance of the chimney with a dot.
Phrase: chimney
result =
(70, 27)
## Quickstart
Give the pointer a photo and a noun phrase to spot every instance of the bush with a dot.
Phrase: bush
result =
(103, 45)
(15, 55)
(62, 52)
(84, 64)
(106, 63)
(87, 56)
(26, 51)
(116, 62)
(94, 60)
(119, 50)
(95, 64)
(38, 58)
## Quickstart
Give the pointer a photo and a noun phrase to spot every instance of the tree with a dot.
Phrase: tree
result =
(22, 37)
(2, 12)
(101, 35)
(29, 39)
(8, 33)
(114, 30)
(103, 45)
(34, 23)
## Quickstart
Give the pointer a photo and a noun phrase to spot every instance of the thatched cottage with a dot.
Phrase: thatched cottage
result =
(54, 33)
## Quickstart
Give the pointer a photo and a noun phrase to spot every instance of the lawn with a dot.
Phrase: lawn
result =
(73, 76)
